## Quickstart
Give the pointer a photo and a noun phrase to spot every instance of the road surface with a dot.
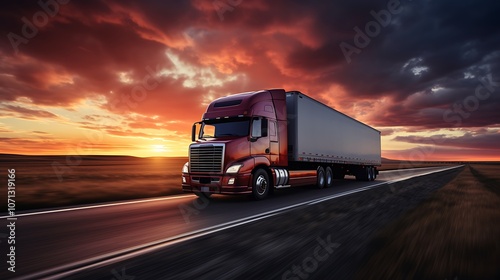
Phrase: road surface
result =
(58, 241)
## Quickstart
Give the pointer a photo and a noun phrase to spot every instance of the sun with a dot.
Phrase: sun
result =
(158, 148)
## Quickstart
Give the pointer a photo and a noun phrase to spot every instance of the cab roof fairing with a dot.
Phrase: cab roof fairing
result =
(247, 104)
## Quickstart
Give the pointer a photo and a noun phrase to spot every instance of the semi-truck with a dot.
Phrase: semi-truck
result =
(255, 142)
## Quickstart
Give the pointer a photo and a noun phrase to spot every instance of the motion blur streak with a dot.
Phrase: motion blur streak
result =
(56, 242)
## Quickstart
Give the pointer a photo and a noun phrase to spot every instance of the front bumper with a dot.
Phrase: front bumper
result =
(218, 184)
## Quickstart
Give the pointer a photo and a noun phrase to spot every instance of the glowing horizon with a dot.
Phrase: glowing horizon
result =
(91, 81)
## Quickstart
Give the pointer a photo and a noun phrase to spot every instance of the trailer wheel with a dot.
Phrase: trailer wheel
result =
(374, 173)
(320, 181)
(329, 177)
(362, 174)
(260, 185)
(370, 173)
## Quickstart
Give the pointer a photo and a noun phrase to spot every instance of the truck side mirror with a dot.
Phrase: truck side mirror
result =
(194, 131)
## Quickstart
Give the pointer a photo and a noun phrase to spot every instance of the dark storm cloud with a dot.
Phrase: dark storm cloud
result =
(444, 36)
(430, 44)
(420, 70)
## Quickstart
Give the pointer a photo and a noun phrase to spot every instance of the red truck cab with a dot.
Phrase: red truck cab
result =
(239, 138)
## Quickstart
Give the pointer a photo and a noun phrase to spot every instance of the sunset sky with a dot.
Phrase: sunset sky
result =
(130, 77)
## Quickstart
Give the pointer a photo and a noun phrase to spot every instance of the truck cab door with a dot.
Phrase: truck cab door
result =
(274, 144)
(259, 138)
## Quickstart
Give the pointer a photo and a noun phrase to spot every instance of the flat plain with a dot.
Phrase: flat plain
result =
(60, 181)
(49, 181)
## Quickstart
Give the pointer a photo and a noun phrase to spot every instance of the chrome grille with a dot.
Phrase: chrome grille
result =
(206, 158)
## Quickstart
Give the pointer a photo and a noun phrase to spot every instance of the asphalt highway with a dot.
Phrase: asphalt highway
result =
(58, 242)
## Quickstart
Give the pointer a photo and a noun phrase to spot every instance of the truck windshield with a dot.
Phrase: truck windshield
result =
(225, 128)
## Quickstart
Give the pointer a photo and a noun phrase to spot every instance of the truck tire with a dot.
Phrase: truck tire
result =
(372, 173)
(329, 177)
(261, 184)
(362, 174)
(320, 177)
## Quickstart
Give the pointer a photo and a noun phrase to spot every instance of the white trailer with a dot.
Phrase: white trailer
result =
(318, 133)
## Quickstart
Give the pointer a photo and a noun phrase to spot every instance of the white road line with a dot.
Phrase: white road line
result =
(110, 258)
(172, 197)
(423, 174)
(378, 184)
(149, 247)
(99, 206)
(319, 200)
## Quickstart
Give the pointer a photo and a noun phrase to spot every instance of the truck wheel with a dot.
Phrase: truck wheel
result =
(374, 173)
(370, 173)
(329, 177)
(320, 181)
(261, 185)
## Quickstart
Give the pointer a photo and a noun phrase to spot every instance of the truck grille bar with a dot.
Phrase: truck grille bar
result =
(206, 158)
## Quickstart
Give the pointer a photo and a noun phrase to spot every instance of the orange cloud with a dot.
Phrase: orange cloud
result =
(146, 70)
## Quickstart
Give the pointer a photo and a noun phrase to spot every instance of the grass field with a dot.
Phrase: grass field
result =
(49, 181)
(452, 235)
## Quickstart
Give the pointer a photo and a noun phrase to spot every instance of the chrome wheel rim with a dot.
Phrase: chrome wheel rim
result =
(261, 184)
(321, 178)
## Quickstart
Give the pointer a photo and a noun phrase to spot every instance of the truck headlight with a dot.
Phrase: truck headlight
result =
(185, 168)
(234, 168)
